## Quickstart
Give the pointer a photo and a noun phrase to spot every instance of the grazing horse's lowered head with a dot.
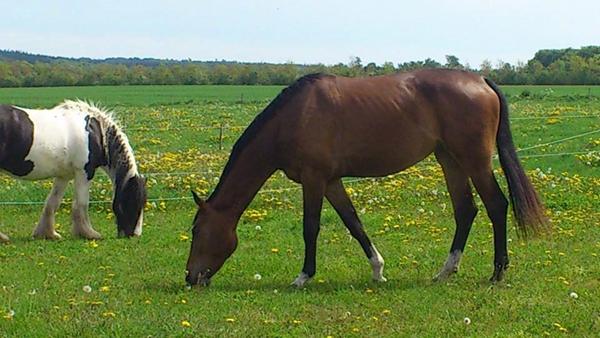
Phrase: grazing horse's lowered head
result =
(129, 186)
(128, 206)
(69, 142)
(216, 241)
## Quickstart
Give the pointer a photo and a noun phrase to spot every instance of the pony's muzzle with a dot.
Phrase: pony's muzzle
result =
(122, 234)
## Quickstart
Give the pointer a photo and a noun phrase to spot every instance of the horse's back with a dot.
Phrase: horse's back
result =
(49, 143)
(380, 125)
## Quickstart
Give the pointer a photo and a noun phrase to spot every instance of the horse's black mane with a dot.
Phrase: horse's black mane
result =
(263, 118)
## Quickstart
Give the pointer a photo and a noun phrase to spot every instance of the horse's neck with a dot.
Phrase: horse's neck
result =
(119, 155)
(241, 181)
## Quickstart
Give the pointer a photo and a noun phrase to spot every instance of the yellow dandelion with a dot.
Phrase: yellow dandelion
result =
(109, 314)
(274, 250)
(185, 323)
(93, 244)
(105, 288)
(183, 237)
(230, 320)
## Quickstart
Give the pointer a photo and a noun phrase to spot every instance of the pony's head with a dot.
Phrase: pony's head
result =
(213, 240)
(128, 206)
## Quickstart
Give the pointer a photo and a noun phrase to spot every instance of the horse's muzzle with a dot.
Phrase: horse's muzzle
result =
(202, 278)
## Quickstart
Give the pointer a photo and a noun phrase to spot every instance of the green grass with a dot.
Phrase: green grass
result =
(177, 95)
(407, 216)
(137, 95)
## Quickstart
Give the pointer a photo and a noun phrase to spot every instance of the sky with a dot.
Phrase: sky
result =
(300, 31)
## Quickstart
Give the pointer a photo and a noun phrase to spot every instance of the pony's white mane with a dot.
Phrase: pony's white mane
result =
(107, 120)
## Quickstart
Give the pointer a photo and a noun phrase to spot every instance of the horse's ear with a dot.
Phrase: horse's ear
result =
(199, 202)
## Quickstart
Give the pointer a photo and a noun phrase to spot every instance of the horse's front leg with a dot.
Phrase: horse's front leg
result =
(45, 228)
(313, 191)
(81, 221)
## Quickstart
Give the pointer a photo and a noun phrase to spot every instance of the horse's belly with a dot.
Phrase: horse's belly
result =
(47, 165)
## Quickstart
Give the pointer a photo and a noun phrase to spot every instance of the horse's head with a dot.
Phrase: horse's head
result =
(128, 206)
(213, 240)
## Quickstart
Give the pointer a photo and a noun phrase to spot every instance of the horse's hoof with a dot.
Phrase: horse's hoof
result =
(380, 279)
(301, 280)
(51, 235)
(4, 238)
(88, 234)
(498, 275)
(444, 275)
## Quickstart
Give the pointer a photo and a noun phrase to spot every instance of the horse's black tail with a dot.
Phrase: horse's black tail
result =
(527, 207)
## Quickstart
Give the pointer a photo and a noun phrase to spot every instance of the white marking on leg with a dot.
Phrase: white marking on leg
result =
(301, 279)
(377, 264)
(451, 266)
(45, 227)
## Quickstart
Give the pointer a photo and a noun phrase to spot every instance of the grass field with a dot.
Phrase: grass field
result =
(137, 286)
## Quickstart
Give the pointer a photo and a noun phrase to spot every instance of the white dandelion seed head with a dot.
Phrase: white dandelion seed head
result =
(257, 276)
(573, 295)
(467, 320)
(87, 289)
(258, 228)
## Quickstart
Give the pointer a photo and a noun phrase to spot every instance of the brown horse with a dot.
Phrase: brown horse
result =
(323, 128)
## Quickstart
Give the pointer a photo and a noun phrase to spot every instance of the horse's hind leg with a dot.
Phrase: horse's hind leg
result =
(81, 221)
(465, 210)
(337, 196)
(496, 205)
(45, 228)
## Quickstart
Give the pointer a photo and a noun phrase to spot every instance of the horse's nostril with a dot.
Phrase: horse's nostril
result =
(190, 279)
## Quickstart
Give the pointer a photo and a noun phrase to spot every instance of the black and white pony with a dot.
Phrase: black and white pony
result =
(69, 142)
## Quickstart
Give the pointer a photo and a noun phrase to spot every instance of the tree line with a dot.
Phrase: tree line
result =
(18, 69)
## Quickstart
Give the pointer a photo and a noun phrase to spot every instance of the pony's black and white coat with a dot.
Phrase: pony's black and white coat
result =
(69, 142)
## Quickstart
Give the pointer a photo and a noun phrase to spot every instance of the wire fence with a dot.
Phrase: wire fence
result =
(264, 191)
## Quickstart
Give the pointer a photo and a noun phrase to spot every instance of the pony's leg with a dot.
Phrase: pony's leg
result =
(45, 227)
(81, 222)
(337, 196)
(313, 190)
(464, 208)
(496, 205)
(4, 238)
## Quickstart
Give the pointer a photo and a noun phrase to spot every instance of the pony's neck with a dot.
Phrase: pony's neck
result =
(244, 174)
(120, 162)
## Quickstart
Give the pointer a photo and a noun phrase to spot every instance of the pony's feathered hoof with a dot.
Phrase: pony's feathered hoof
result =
(301, 280)
(90, 234)
(4, 238)
(52, 235)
